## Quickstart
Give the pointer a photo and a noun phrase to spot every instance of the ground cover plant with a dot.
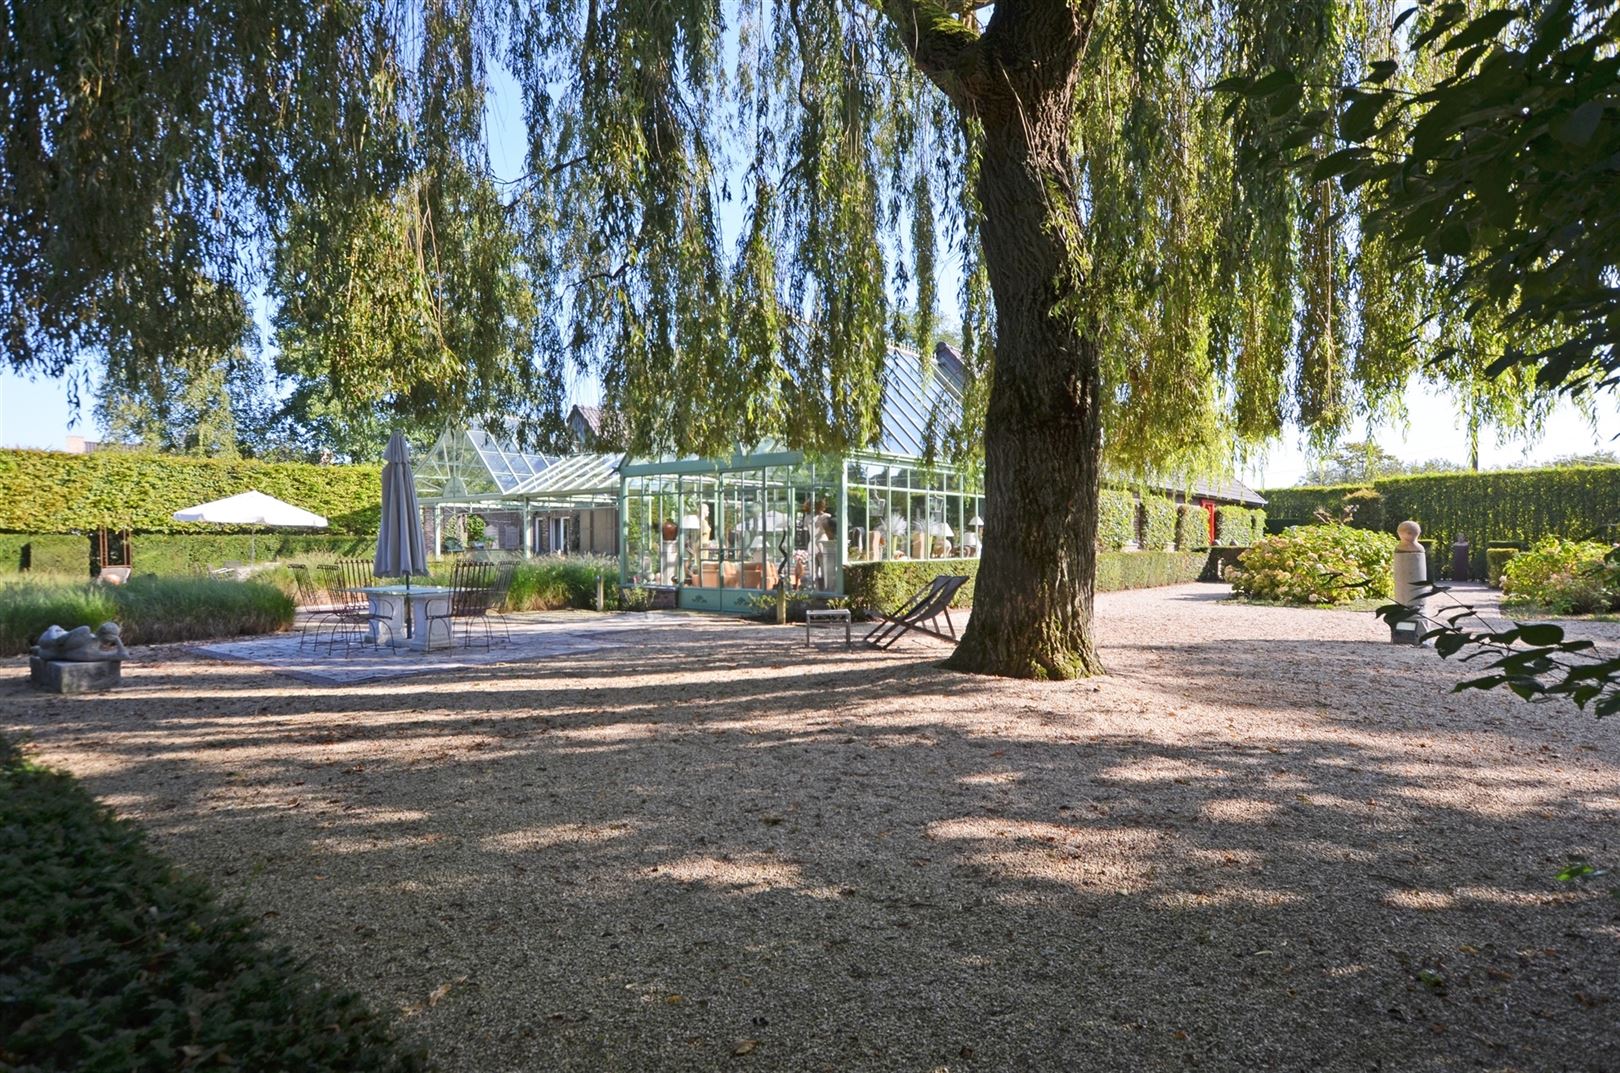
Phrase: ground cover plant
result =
(1570, 577)
(114, 959)
(1330, 563)
(149, 610)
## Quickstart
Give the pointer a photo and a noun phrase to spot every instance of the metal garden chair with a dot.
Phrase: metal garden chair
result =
(472, 585)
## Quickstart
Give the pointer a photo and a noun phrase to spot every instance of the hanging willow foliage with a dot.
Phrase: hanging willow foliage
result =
(152, 146)
(728, 210)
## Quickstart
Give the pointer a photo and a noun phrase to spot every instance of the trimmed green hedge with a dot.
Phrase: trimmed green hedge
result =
(114, 959)
(176, 554)
(52, 492)
(884, 585)
(45, 553)
(148, 610)
(1239, 527)
(1116, 519)
(1521, 506)
(1158, 523)
(171, 554)
(1147, 569)
(1192, 527)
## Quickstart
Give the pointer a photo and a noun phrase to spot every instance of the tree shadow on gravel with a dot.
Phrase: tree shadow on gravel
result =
(1231, 855)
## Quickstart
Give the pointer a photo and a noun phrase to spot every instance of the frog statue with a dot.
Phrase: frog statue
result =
(81, 645)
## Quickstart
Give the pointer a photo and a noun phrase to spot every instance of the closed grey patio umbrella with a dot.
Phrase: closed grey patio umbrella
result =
(401, 551)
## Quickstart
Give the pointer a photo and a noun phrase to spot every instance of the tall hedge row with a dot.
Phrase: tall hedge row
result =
(1239, 527)
(1158, 523)
(883, 585)
(1192, 527)
(1116, 519)
(52, 492)
(47, 553)
(171, 554)
(1517, 506)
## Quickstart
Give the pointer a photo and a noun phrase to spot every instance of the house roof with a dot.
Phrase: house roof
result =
(590, 416)
(1229, 489)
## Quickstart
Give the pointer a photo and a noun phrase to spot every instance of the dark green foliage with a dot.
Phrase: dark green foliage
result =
(1116, 519)
(1192, 527)
(1365, 509)
(150, 610)
(1159, 518)
(1501, 174)
(1518, 506)
(1239, 526)
(1217, 560)
(115, 960)
(1496, 560)
(884, 585)
(47, 491)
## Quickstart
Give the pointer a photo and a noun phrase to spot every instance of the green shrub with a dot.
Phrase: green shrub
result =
(1521, 506)
(1563, 576)
(1192, 527)
(1365, 508)
(1116, 519)
(1158, 523)
(1496, 560)
(48, 491)
(1317, 564)
(149, 610)
(114, 959)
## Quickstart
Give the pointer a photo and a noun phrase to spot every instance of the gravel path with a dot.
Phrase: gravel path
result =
(1269, 841)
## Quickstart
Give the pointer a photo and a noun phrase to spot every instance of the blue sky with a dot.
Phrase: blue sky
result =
(36, 414)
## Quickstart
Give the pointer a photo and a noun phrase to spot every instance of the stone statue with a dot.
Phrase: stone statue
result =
(81, 645)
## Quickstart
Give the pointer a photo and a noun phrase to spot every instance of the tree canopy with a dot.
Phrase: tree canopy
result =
(1137, 281)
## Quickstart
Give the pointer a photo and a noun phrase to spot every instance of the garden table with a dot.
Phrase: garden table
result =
(399, 604)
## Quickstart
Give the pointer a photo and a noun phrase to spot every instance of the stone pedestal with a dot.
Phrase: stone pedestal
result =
(63, 676)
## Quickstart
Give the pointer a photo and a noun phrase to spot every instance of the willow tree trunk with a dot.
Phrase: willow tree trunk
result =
(1042, 438)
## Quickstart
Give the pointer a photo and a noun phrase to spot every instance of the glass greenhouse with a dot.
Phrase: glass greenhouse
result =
(720, 532)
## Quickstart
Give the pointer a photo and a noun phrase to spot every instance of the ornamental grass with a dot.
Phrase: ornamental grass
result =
(149, 610)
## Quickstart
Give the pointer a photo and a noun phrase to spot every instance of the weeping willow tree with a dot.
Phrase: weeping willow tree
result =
(1138, 287)
(728, 208)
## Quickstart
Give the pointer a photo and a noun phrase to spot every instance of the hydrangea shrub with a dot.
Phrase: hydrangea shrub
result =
(1331, 563)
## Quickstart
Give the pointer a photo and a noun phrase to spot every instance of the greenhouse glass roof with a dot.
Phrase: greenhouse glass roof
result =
(472, 462)
(919, 406)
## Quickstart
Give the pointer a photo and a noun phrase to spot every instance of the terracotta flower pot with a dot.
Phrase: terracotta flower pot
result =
(671, 530)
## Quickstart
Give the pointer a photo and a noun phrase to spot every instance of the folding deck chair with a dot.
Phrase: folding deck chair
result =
(925, 606)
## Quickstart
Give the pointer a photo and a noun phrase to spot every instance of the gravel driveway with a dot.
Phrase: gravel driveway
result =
(1269, 841)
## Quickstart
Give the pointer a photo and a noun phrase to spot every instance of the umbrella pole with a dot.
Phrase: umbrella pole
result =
(407, 607)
